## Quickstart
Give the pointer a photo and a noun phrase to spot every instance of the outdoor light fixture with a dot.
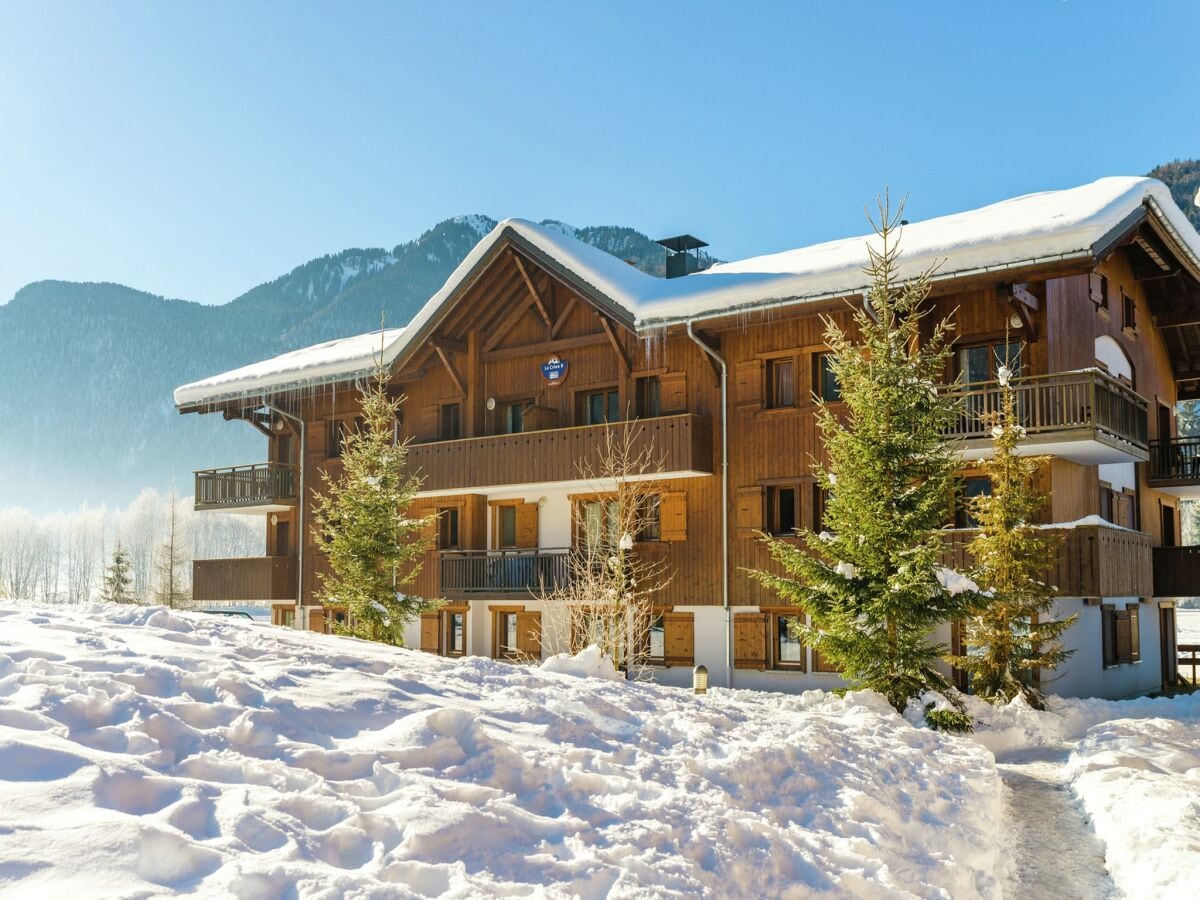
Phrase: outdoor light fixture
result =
(626, 542)
(700, 679)
(274, 518)
(1015, 321)
(279, 424)
(542, 502)
(491, 403)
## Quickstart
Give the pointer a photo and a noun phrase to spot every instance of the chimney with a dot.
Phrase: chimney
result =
(680, 258)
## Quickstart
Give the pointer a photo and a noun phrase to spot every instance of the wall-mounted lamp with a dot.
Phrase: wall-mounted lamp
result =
(274, 518)
(700, 679)
(491, 403)
(279, 424)
(541, 502)
(1015, 321)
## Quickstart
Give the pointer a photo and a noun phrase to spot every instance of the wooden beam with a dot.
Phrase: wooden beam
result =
(563, 316)
(712, 341)
(445, 358)
(505, 326)
(1178, 320)
(1026, 296)
(616, 344)
(533, 292)
(545, 347)
(247, 415)
(444, 343)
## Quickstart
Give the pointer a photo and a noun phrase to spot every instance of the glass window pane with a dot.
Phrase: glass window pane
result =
(508, 526)
(973, 364)
(510, 631)
(829, 387)
(593, 523)
(787, 510)
(614, 406)
(790, 650)
(657, 638)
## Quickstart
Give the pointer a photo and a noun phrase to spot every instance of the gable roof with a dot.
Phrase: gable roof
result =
(1076, 223)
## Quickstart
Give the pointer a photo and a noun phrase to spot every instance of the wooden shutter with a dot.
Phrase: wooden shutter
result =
(672, 516)
(749, 511)
(672, 392)
(427, 422)
(529, 635)
(1124, 636)
(431, 632)
(527, 525)
(750, 641)
(679, 639)
(1094, 288)
(316, 619)
(748, 378)
(1135, 636)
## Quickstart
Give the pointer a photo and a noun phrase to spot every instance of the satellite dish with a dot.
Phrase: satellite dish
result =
(491, 403)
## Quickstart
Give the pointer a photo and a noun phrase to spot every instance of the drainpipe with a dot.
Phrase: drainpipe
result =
(716, 357)
(301, 621)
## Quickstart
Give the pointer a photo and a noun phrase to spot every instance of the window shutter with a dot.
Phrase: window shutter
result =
(427, 422)
(1094, 288)
(750, 641)
(1124, 637)
(1108, 637)
(1135, 636)
(672, 388)
(748, 383)
(749, 511)
(672, 516)
(316, 620)
(527, 525)
(679, 639)
(431, 632)
(529, 635)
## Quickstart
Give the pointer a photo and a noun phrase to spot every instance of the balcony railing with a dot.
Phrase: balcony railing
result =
(262, 578)
(1175, 462)
(234, 487)
(464, 572)
(1084, 406)
(1177, 571)
(682, 442)
(1092, 561)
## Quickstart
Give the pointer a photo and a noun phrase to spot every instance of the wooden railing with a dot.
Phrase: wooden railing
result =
(1092, 561)
(501, 571)
(1177, 571)
(252, 485)
(1175, 460)
(682, 442)
(1066, 401)
(1188, 655)
(250, 578)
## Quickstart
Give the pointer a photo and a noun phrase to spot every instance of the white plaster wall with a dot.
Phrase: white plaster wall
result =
(1084, 675)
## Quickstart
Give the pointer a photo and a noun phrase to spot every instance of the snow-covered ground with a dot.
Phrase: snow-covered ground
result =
(1187, 626)
(144, 751)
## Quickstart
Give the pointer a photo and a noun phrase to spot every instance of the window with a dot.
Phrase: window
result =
(1168, 524)
(788, 649)
(780, 512)
(600, 520)
(283, 448)
(449, 418)
(456, 633)
(820, 501)
(506, 635)
(512, 416)
(657, 651)
(447, 536)
(649, 397)
(1108, 634)
(649, 519)
(982, 363)
(506, 518)
(283, 537)
(825, 383)
(781, 383)
(597, 407)
(1102, 288)
(286, 618)
(1129, 313)
(1106, 502)
(335, 436)
(977, 486)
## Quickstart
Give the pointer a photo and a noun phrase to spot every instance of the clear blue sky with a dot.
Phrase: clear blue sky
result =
(195, 150)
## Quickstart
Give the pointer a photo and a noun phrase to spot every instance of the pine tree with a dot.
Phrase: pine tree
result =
(118, 579)
(374, 547)
(172, 590)
(1010, 639)
(871, 582)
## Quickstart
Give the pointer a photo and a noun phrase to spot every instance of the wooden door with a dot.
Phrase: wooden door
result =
(1170, 651)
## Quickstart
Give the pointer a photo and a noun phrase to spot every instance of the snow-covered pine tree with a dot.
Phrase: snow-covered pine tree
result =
(172, 590)
(1011, 637)
(118, 579)
(374, 547)
(870, 581)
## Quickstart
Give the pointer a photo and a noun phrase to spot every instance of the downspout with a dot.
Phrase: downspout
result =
(301, 620)
(716, 357)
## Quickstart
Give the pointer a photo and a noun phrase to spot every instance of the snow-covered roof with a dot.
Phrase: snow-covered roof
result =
(338, 360)
(1028, 230)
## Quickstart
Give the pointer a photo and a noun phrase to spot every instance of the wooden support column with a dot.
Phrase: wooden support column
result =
(473, 398)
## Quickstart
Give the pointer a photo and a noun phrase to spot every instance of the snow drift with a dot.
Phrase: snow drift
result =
(148, 751)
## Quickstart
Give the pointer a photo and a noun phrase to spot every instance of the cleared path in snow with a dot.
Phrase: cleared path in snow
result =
(1055, 852)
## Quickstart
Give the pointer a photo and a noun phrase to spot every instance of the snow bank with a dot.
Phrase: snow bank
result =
(588, 663)
(148, 752)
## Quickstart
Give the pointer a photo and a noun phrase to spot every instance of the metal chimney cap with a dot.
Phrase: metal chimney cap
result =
(682, 243)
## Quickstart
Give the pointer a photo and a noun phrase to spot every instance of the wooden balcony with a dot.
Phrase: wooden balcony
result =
(1175, 467)
(258, 578)
(1093, 561)
(466, 573)
(1177, 571)
(258, 488)
(1088, 417)
(683, 442)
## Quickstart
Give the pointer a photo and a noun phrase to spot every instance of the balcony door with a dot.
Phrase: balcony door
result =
(980, 365)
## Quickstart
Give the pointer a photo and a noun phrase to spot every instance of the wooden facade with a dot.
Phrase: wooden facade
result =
(482, 357)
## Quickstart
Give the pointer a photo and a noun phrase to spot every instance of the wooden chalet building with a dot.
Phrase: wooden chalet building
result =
(1100, 284)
